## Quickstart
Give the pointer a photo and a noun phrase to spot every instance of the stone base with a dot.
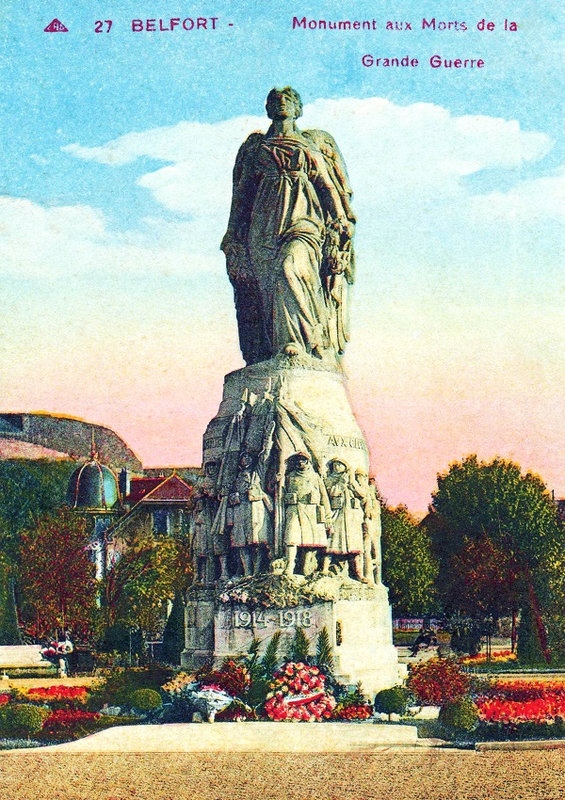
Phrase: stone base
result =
(359, 632)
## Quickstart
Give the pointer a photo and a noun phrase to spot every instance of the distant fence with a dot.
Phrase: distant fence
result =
(414, 623)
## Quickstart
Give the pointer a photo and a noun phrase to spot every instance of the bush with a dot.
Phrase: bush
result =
(438, 681)
(69, 725)
(392, 701)
(145, 700)
(117, 688)
(173, 635)
(23, 719)
(460, 715)
(529, 649)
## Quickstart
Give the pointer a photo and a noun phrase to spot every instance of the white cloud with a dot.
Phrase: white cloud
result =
(412, 152)
(407, 166)
(529, 202)
(48, 242)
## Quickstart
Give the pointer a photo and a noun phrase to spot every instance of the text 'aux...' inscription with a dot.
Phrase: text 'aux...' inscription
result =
(337, 440)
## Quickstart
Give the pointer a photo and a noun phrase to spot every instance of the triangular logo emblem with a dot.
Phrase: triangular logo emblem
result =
(56, 27)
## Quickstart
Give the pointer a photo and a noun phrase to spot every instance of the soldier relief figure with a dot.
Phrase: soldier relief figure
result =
(288, 242)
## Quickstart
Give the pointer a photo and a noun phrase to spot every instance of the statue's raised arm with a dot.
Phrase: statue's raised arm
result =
(288, 244)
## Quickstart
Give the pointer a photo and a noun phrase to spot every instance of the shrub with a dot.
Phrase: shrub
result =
(392, 701)
(145, 700)
(353, 705)
(438, 681)
(23, 719)
(460, 715)
(529, 650)
(173, 635)
(116, 689)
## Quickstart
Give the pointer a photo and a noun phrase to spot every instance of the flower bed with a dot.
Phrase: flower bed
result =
(58, 696)
(496, 658)
(515, 702)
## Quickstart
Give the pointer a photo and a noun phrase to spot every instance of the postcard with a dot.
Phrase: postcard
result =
(123, 123)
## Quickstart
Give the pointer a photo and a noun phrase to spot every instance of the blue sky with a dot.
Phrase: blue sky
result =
(118, 151)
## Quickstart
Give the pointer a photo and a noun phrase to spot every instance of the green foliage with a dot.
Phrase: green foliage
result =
(173, 635)
(479, 502)
(117, 688)
(22, 719)
(300, 646)
(29, 489)
(149, 574)
(145, 700)
(529, 649)
(261, 669)
(9, 628)
(119, 638)
(409, 567)
(392, 701)
(324, 655)
(477, 499)
(460, 715)
(269, 661)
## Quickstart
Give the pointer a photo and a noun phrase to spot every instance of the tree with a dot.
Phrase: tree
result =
(409, 567)
(173, 635)
(139, 585)
(27, 489)
(479, 502)
(57, 577)
(484, 581)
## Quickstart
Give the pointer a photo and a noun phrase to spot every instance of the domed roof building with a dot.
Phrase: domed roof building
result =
(92, 486)
(93, 492)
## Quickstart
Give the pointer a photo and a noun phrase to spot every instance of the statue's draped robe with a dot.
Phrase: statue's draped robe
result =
(286, 192)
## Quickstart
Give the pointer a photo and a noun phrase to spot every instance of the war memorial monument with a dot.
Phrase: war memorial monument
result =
(286, 524)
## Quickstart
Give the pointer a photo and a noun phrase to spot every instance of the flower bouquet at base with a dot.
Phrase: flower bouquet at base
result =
(209, 691)
(298, 693)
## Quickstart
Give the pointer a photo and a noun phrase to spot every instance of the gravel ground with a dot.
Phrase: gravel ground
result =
(431, 775)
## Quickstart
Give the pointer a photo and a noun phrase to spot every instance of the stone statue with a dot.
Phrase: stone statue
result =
(288, 245)
(307, 509)
(372, 559)
(346, 537)
(205, 510)
(252, 509)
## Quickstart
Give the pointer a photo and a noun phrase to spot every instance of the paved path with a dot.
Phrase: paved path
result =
(428, 775)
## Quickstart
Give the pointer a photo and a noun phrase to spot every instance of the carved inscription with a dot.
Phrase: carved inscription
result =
(288, 618)
(337, 440)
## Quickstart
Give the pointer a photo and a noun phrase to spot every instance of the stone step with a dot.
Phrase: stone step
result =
(246, 737)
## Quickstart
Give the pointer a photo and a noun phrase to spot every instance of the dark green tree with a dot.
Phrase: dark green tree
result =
(515, 512)
(27, 490)
(409, 567)
(173, 635)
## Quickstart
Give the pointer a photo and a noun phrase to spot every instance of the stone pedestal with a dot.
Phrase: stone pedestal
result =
(272, 413)
(359, 631)
(319, 393)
